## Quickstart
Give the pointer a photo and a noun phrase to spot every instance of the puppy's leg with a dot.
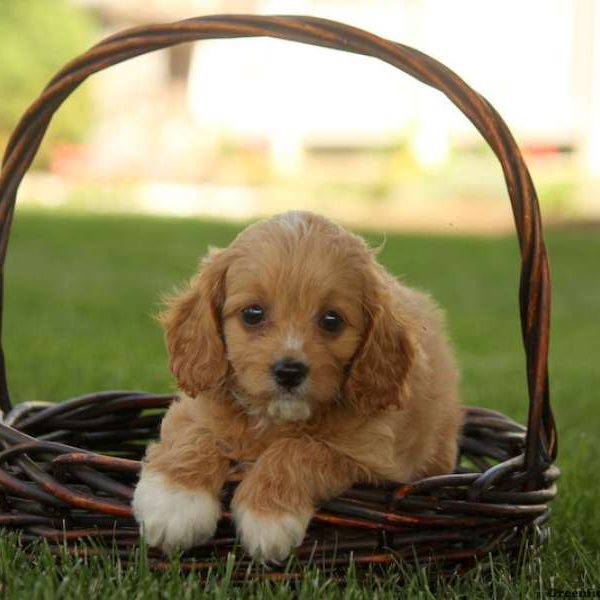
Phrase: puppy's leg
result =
(444, 460)
(274, 503)
(176, 501)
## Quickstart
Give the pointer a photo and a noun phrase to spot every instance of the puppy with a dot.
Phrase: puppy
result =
(299, 355)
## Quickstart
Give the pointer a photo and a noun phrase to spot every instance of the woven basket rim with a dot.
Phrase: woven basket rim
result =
(67, 477)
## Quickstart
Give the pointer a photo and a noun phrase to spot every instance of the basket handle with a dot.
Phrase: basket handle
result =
(534, 290)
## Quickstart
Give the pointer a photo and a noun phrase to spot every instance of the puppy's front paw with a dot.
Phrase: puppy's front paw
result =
(270, 537)
(172, 517)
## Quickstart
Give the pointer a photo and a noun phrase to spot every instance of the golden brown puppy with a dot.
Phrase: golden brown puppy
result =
(300, 356)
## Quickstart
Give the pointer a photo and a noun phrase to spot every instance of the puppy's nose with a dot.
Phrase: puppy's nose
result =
(289, 373)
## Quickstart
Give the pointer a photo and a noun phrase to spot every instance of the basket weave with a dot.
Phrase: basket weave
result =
(67, 470)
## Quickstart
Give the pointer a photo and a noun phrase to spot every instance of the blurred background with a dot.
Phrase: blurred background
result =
(237, 129)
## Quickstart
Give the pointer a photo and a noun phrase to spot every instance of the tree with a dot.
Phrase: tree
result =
(37, 37)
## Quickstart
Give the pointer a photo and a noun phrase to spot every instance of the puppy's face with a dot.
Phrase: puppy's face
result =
(292, 321)
(292, 318)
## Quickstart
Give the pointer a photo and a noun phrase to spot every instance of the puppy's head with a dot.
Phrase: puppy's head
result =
(294, 317)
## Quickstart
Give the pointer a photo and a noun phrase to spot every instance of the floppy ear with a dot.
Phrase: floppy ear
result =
(379, 372)
(192, 324)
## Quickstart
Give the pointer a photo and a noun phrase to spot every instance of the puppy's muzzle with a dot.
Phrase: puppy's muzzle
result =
(289, 373)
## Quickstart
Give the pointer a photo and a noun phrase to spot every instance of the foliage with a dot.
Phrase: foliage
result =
(37, 37)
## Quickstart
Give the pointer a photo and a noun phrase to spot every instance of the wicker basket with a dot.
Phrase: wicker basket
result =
(67, 470)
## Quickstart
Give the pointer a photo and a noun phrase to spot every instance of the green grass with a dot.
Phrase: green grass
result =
(80, 295)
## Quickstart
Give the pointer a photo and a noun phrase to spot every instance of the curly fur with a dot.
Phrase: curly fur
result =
(193, 330)
(380, 400)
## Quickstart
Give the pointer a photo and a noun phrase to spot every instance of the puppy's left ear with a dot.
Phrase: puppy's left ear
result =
(192, 324)
(378, 376)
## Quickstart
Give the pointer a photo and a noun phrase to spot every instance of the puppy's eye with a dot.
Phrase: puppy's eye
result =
(253, 314)
(330, 321)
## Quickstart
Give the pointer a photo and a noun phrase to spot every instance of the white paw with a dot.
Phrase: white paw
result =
(172, 517)
(270, 537)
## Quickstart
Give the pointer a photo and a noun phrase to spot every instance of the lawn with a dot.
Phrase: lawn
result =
(80, 295)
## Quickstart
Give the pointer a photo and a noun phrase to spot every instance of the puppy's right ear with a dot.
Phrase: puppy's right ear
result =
(378, 378)
(192, 324)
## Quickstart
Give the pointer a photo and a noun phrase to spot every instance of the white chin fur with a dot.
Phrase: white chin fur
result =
(171, 516)
(270, 537)
(289, 410)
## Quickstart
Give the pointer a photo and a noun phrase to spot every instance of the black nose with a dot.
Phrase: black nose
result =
(289, 373)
